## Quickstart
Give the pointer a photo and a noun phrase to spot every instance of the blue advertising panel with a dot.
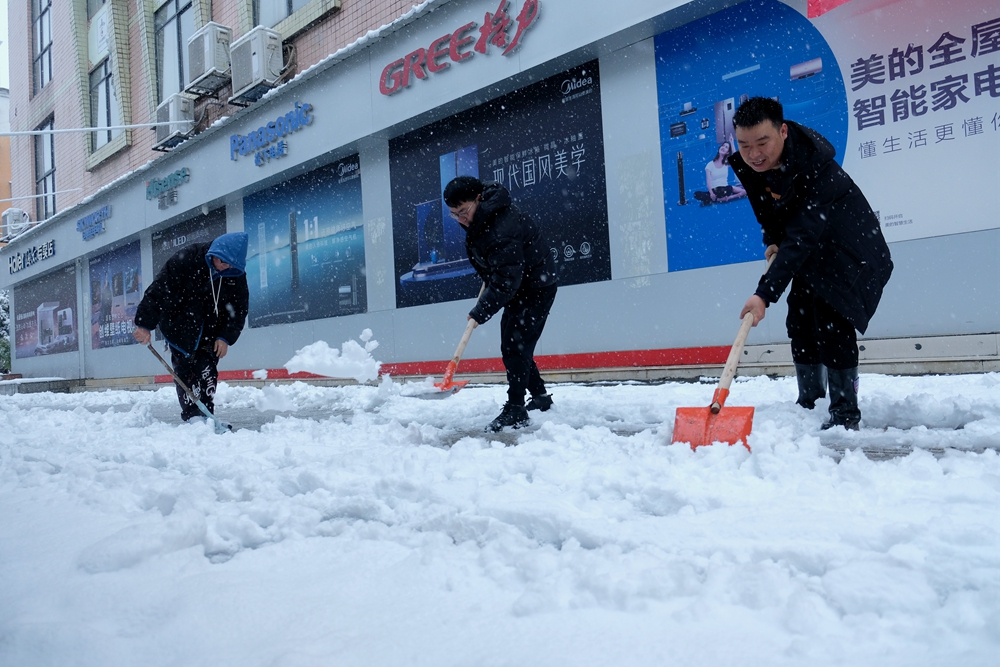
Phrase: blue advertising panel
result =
(306, 256)
(115, 292)
(704, 70)
(544, 143)
(44, 315)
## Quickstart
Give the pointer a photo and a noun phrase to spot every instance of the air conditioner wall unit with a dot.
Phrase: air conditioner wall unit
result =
(256, 61)
(14, 221)
(178, 110)
(208, 59)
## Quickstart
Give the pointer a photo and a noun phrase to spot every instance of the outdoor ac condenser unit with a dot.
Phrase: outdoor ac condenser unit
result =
(15, 221)
(256, 61)
(178, 110)
(208, 59)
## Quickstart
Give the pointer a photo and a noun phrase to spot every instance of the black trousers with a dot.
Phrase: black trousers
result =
(819, 334)
(200, 372)
(521, 326)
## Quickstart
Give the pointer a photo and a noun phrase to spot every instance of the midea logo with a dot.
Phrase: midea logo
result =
(572, 85)
(347, 168)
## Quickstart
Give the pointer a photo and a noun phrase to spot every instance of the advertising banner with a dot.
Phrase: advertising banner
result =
(703, 71)
(306, 257)
(45, 315)
(115, 291)
(202, 229)
(544, 143)
(923, 97)
(906, 91)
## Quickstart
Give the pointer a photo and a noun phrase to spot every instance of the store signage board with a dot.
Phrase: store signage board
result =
(91, 225)
(25, 258)
(268, 141)
(499, 29)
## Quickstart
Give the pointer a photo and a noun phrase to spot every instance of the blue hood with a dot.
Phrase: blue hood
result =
(231, 249)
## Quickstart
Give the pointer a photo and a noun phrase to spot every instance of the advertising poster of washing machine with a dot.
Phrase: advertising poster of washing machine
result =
(203, 229)
(45, 315)
(704, 70)
(115, 292)
(923, 99)
(544, 143)
(306, 255)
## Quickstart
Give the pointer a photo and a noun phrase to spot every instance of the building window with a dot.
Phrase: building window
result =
(93, 6)
(41, 21)
(103, 105)
(270, 13)
(174, 25)
(45, 171)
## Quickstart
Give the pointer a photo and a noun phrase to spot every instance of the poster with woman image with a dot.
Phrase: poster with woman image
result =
(704, 70)
(115, 292)
(45, 315)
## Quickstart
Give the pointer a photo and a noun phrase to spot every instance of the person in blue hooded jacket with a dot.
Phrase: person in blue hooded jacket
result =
(199, 300)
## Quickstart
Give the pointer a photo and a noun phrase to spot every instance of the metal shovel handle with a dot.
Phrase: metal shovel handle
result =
(219, 426)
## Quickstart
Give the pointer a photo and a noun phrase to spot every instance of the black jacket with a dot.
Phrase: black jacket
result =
(180, 302)
(508, 251)
(827, 234)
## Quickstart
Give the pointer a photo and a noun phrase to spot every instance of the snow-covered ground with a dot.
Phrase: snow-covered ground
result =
(362, 526)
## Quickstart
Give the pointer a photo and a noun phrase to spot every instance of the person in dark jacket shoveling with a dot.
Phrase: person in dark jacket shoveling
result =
(511, 255)
(199, 300)
(829, 246)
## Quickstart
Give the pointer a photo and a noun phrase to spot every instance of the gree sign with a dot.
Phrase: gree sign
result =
(498, 29)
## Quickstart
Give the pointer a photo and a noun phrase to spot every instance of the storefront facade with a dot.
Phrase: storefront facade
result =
(600, 120)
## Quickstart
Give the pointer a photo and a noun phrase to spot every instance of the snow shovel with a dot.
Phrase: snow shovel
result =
(716, 423)
(447, 386)
(220, 426)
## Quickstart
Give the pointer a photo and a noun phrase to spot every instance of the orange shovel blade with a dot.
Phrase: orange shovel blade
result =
(698, 426)
(451, 386)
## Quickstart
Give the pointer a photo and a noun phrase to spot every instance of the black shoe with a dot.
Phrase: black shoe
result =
(843, 399)
(811, 379)
(514, 416)
(541, 402)
(850, 425)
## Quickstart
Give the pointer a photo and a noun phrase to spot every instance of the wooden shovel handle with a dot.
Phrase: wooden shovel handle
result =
(453, 364)
(465, 341)
(729, 372)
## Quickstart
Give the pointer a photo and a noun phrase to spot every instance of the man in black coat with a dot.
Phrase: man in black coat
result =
(199, 300)
(829, 246)
(511, 255)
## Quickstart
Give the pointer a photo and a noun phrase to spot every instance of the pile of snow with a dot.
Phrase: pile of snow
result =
(350, 361)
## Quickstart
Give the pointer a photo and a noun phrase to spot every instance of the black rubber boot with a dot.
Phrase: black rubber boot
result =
(812, 384)
(513, 415)
(541, 402)
(844, 399)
